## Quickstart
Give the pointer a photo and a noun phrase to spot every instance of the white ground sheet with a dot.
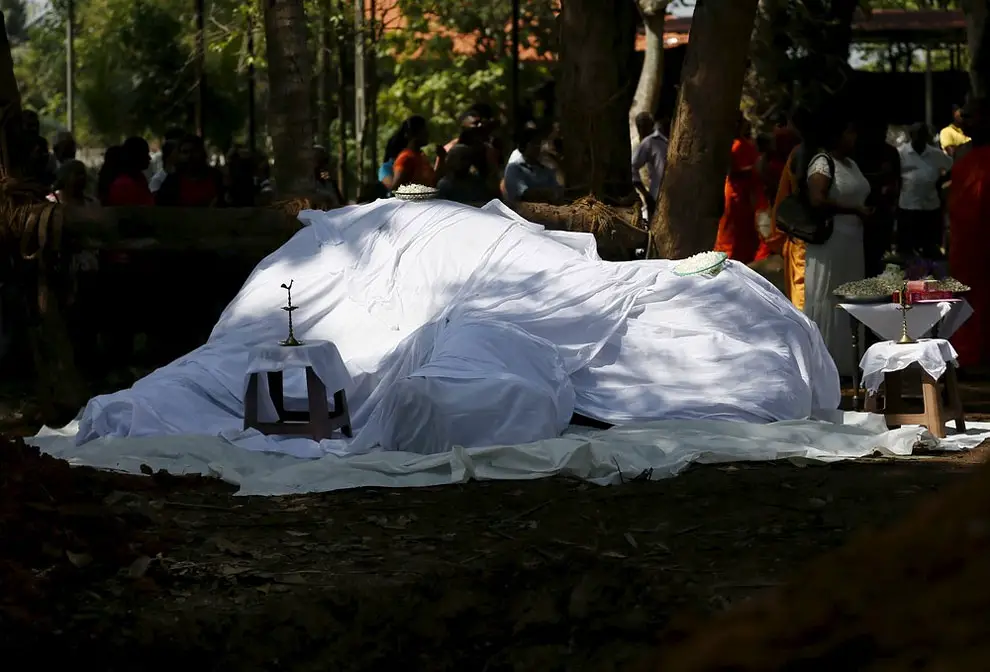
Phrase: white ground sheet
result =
(603, 457)
(470, 336)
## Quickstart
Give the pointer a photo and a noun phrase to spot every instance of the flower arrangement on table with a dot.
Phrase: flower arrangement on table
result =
(926, 280)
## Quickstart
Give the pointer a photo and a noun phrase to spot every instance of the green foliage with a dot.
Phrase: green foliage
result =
(428, 72)
(15, 16)
(136, 74)
(135, 68)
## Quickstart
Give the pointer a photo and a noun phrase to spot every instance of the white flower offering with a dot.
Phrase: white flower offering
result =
(709, 264)
(415, 192)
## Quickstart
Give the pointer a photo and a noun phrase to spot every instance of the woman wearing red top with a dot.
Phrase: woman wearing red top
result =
(130, 186)
(411, 165)
(194, 184)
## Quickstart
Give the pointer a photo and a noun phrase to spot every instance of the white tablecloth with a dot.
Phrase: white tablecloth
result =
(884, 319)
(931, 354)
(322, 356)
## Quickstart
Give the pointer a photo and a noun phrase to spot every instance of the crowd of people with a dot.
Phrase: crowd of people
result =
(180, 174)
(472, 168)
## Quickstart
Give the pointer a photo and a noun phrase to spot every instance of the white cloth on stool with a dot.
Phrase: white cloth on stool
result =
(884, 319)
(322, 356)
(485, 383)
(931, 354)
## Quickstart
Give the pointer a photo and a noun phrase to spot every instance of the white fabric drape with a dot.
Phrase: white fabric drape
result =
(637, 342)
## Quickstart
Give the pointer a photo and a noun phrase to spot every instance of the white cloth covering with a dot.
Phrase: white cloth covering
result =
(884, 319)
(837, 261)
(485, 383)
(322, 356)
(931, 354)
(638, 342)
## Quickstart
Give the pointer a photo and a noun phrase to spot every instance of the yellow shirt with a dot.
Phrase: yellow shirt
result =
(952, 136)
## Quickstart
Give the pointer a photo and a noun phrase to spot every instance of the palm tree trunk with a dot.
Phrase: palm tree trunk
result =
(597, 40)
(977, 16)
(654, 13)
(691, 198)
(290, 118)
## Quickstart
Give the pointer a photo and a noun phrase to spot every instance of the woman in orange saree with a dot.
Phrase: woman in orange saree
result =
(794, 251)
(969, 212)
(737, 235)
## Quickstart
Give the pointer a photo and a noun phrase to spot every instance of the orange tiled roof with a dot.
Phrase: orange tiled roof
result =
(677, 29)
(389, 14)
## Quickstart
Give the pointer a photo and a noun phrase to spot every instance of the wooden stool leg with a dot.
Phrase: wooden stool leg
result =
(872, 404)
(857, 356)
(934, 417)
(276, 389)
(892, 391)
(955, 399)
(341, 410)
(251, 403)
(319, 409)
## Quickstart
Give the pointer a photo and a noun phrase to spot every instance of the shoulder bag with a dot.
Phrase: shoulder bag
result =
(798, 218)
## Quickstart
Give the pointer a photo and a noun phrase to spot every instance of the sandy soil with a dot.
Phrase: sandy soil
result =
(154, 573)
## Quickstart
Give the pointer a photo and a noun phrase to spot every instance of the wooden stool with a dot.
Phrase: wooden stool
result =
(319, 422)
(935, 414)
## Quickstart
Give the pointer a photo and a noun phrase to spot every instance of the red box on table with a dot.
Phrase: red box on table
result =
(915, 296)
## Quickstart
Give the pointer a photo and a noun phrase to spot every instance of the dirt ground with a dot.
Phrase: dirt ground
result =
(119, 572)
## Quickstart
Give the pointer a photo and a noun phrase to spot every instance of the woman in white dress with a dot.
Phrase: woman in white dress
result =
(840, 259)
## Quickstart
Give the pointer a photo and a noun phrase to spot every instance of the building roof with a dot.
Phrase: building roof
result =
(878, 25)
(390, 15)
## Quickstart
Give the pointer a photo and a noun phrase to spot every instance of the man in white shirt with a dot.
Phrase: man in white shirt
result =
(527, 179)
(652, 153)
(919, 214)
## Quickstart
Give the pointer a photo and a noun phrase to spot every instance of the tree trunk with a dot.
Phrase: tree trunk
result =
(343, 183)
(764, 91)
(290, 118)
(597, 39)
(654, 13)
(251, 233)
(13, 154)
(60, 387)
(616, 229)
(977, 15)
(691, 197)
(324, 77)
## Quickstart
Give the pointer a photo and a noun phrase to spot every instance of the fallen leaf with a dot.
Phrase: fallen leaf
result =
(139, 567)
(231, 570)
(79, 560)
(293, 579)
(225, 546)
(613, 554)
(631, 540)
